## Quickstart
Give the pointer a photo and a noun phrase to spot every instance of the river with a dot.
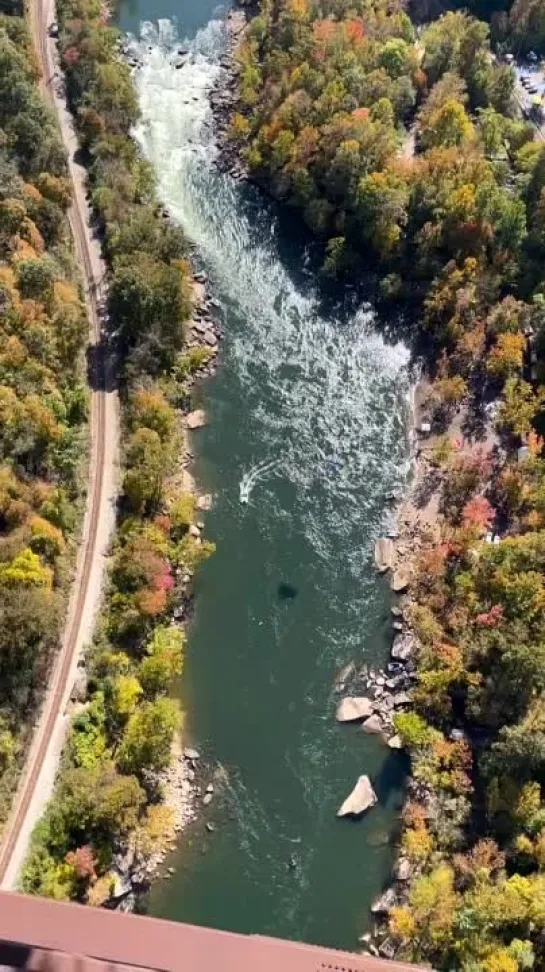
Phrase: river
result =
(307, 424)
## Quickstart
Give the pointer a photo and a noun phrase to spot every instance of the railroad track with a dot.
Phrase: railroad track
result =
(59, 685)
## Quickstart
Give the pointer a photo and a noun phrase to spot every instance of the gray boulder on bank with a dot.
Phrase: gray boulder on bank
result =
(400, 580)
(383, 904)
(191, 754)
(403, 869)
(353, 708)
(362, 798)
(402, 647)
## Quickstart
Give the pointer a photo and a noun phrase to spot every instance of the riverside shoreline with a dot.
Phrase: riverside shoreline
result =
(181, 782)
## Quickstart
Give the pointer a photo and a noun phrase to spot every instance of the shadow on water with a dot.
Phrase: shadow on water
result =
(286, 592)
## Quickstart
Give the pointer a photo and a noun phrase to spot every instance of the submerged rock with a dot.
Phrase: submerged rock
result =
(362, 798)
(353, 708)
(343, 676)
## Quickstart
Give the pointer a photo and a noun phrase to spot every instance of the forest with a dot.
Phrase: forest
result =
(108, 795)
(43, 397)
(395, 132)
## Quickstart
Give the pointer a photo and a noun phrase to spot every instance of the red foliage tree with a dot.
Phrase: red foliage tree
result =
(478, 513)
(83, 862)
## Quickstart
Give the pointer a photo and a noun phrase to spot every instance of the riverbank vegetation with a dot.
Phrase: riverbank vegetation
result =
(404, 149)
(43, 400)
(108, 802)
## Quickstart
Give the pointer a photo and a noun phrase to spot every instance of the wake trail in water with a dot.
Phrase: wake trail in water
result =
(252, 477)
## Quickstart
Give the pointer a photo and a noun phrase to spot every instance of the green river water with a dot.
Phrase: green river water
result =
(307, 422)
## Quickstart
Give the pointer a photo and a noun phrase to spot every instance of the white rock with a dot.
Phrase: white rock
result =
(362, 798)
(395, 742)
(204, 502)
(194, 531)
(196, 419)
(373, 725)
(352, 708)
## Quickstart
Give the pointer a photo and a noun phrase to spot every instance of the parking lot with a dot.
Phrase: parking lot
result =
(531, 87)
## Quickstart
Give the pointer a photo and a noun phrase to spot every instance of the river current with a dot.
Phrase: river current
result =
(306, 439)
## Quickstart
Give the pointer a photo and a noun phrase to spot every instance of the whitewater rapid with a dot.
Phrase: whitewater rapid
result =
(334, 408)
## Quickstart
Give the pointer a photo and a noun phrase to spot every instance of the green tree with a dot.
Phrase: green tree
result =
(163, 662)
(146, 470)
(146, 742)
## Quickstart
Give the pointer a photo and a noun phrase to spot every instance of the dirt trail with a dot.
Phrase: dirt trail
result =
(39, 773)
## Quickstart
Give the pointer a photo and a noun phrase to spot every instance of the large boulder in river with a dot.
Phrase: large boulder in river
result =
(384, 554)
(196, 419)
(353, 708)
(362, 798)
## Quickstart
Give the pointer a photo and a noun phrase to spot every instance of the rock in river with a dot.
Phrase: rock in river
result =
(362, 798)
(384, 554)
(373, 725)
(196, 419)
(353, 708)
(395, 742)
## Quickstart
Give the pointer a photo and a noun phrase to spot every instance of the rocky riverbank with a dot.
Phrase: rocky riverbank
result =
(183, 785)
(418, 525)
(224, 97)
(374, 696)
